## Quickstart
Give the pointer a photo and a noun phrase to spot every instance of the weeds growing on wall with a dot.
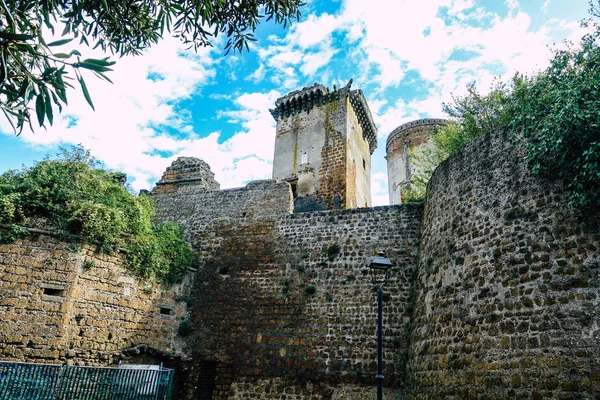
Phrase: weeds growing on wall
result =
(70, 194)
(554, 114)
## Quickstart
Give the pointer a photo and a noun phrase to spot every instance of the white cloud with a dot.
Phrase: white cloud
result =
(545, 6)
(387, 46)
(379, 189)
(141, 113)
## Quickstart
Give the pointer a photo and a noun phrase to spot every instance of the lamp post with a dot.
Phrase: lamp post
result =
(380, 269)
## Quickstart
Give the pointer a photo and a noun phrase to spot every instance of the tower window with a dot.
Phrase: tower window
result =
(364, 164)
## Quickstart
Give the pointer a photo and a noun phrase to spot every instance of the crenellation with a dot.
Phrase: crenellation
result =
(400, 141)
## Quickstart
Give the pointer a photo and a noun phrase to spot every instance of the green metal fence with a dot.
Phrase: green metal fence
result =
(26, 381)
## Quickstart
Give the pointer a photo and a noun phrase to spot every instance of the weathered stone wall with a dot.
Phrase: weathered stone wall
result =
(507, 302)
(188, 171)
(358, 164)
(195, 207)
(289, 297)
(60, 302)
(323, 145)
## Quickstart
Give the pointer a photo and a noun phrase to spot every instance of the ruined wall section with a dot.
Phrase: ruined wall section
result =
(507, 302)
(289, 298)
(298, 143)
(188, 171)
(60, 302)
(333, 174)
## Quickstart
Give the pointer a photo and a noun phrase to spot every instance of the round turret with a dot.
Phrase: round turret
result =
(405, 137)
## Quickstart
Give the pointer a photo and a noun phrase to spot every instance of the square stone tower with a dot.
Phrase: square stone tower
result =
(323, 146)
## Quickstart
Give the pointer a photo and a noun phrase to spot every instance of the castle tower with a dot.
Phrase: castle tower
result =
(405, 137)
(323, 146)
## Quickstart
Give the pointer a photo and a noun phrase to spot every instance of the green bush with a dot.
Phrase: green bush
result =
(185, 328)
(71, 195)
(559, 120)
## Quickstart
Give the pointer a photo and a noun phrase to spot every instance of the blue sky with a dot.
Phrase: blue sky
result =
(407, 56)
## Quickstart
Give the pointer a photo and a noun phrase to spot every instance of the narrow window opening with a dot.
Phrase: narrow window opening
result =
(206, 380)
(55, 292)
(294, 185)
(165, 311)
(364, 164)
(304, 158)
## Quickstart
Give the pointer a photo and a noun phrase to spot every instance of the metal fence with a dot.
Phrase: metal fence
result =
(26, 381)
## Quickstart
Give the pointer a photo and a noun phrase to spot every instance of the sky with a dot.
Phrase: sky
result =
(408, 57)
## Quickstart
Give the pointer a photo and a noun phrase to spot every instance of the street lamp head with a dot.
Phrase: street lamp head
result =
(380, 269)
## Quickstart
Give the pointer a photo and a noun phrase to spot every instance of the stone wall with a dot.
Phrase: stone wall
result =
(196, 207)
(358, 163)
(290, 298)
(507, 302)
(61, 302)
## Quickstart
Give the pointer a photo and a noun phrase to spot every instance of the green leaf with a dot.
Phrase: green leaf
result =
(90, 66)
(48, 102)
(86, 94)
(62, 55)
(59, 42)
(103, 62)
(40, 108)
(14, 36)
(102, 76)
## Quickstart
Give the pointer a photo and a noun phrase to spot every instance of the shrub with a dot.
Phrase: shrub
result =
(74, 196)
(185, 328)
(559, 120)
(333, 251)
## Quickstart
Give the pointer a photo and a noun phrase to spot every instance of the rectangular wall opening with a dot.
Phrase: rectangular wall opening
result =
(55, 292)
(165, 311)
(206, 380)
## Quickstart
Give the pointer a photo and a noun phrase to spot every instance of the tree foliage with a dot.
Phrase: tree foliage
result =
(34, 78)
(71, 195)
(554, 114)
(558, 120)
(471, 116)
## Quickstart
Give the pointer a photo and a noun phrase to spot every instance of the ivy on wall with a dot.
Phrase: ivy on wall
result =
(70, 194)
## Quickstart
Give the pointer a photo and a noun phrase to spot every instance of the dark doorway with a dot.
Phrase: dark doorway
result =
(206, 380)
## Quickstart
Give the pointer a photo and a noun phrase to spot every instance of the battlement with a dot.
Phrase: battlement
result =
(412, 127)
(317, 95)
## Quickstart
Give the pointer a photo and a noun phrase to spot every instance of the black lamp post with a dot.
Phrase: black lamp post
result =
(380, 270)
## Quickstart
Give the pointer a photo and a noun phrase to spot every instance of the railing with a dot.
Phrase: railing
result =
(26, 381)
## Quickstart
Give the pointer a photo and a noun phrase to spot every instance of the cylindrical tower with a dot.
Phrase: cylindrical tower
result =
(405, 137)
